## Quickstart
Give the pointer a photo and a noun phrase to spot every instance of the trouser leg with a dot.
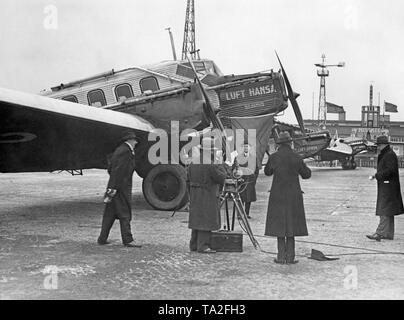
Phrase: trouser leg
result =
(382, 226)
(193, 242)
(106, 225)
(281, 249)
(290, 249)
(203, 240)
(386, 227)
(126, 233)
(390, 234)
(247, 208)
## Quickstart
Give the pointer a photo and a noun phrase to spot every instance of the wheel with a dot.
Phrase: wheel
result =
(353, 165)
(345, 165)
(164, 187)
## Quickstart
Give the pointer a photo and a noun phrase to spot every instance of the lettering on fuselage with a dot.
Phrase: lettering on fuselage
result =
(248, 92)
(306, 148)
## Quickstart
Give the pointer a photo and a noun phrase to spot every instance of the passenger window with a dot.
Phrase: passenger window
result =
(96, 98)
(148, 83)
(123, 91)
(71, 98)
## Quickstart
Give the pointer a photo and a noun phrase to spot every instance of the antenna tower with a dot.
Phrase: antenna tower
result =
(322, 103)
(188, 46)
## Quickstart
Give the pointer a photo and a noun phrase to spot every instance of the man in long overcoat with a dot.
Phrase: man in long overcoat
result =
(389, 202)
(118, 196)
(286, 217)
(250, 169)
(204, 181)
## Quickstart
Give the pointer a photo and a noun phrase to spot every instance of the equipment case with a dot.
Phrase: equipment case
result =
(226, 241)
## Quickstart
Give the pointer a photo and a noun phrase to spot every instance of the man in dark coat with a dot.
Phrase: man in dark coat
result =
(250, 176)
(204, 180)
(389, 202)
(118, 196)
(286, 217)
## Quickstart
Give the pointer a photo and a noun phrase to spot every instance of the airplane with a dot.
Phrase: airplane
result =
(75, 125)
(327, 149)
(345, 150)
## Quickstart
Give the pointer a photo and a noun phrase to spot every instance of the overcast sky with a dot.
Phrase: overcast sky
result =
(93, 36)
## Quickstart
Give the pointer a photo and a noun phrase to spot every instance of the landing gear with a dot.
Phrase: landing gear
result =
(348, 164)
(164, 187)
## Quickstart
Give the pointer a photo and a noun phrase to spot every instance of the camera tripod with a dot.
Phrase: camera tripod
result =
(231, 192)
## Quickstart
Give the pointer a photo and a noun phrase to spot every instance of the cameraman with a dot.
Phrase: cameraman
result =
(204, 177)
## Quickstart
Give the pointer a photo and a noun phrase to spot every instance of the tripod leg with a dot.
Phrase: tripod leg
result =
(227, 214)
(233, 217)
(243, 217)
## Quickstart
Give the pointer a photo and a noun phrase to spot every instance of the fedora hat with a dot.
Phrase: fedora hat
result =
(129, 135)
(382, 140)
(284, 137)
(319, 256)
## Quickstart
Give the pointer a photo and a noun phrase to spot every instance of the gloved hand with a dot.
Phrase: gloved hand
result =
(109, 194)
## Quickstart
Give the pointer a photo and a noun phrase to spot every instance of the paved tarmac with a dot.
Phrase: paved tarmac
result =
(49, 224)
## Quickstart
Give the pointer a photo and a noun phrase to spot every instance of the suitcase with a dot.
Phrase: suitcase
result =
(226, 241)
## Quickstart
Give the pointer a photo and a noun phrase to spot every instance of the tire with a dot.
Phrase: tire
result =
(164, 187)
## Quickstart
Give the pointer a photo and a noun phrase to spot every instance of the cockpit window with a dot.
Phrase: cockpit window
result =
(211, 68)
(201, 67)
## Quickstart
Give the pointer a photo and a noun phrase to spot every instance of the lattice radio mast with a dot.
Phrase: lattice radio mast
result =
(188, 46)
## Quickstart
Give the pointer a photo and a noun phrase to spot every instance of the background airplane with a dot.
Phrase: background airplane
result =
(345, 150)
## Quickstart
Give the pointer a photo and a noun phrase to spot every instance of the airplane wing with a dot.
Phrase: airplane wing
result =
(44, 134)
(338, 150)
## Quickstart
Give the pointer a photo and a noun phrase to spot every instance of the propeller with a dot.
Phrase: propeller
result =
(292, 98)
(210, 113)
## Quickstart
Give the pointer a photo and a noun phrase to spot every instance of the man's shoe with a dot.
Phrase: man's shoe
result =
(103, 243)
(374, 236)
(132, 245)
(279, 261)
(386, 238)
(208, 250)
(248, 216)
(292, 262)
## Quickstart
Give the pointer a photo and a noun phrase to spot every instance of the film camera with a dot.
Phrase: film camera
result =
(231, 193)
(234, 179)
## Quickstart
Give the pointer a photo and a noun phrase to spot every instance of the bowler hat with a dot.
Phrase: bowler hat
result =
(382, 140)
(284, 137)
(319, 256)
